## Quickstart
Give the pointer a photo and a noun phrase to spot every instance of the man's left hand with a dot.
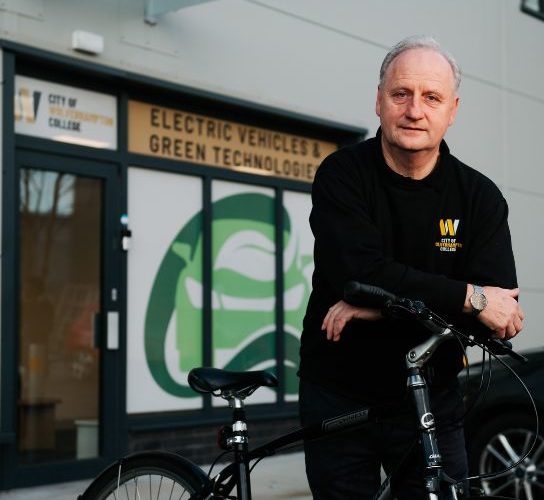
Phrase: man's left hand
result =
(342, 312)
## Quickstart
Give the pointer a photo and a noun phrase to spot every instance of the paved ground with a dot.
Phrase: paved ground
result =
(274, 478)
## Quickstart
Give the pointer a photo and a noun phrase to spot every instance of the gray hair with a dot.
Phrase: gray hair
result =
(419, 42)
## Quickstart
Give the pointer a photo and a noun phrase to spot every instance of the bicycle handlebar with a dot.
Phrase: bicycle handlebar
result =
(373, 296)
(361, 294)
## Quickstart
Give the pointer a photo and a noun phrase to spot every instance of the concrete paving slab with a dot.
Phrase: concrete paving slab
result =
(274, 478)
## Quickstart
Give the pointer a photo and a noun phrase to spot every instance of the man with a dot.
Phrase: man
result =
(400, 212)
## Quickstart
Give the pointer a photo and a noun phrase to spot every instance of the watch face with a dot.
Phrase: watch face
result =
(478, 301)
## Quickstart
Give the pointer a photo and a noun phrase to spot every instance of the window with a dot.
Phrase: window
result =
(533, 7)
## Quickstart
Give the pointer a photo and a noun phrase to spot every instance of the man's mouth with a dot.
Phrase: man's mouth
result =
(413, 129)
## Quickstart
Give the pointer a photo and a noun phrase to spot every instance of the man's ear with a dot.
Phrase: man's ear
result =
(378, 96)
(454, 111)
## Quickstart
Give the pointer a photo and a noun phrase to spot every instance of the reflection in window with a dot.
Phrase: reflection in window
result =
(45, 192)
(60, 247)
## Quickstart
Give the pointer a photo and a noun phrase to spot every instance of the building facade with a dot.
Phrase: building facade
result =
(157, 160)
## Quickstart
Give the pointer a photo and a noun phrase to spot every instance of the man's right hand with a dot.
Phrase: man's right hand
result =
(502, 314)
(342, 313)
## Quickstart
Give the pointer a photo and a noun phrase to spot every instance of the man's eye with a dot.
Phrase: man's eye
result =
(399, 95)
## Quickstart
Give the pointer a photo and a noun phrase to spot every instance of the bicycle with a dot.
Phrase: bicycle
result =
(169, 475)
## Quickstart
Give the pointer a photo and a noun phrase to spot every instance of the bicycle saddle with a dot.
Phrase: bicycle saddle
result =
(229, 384)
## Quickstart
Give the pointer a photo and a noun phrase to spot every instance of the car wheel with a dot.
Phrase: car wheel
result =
(500, 443)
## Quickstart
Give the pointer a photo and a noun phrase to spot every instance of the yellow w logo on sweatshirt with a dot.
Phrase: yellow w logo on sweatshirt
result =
(448, 227)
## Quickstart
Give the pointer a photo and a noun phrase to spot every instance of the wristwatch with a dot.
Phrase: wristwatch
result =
(478, 300)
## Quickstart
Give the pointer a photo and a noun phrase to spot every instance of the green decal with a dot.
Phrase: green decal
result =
(243, 294)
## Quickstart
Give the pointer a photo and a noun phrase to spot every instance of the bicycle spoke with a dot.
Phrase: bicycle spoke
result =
(172, 490)
(183, 493)
(137, 491)
(118, 481)
(160, 486)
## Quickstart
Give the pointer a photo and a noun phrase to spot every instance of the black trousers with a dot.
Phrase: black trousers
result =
(347, 465)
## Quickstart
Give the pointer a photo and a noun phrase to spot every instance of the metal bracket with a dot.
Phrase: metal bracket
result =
(421, 353)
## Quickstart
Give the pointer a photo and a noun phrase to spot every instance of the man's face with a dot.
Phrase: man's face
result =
(417, 101)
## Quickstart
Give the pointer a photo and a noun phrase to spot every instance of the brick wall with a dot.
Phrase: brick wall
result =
(199, 443)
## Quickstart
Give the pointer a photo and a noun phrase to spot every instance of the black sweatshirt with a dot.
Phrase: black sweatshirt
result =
(422, 239)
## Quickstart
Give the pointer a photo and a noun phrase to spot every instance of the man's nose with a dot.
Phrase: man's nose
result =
(414, 109)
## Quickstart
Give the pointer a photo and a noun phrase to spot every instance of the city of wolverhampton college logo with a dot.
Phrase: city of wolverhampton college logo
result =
(26, 105)
(448, 232)
(243, 295)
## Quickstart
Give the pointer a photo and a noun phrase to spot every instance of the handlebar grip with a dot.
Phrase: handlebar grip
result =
(368, 295)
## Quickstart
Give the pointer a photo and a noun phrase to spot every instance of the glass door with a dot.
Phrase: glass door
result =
(67, 315)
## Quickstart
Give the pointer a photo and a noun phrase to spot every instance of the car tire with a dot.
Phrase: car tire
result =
(499, 443)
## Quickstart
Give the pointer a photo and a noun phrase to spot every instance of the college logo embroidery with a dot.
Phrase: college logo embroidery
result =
(448, 232)
(448, 227)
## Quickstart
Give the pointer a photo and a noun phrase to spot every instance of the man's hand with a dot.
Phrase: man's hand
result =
(342, 312)
(502, 314)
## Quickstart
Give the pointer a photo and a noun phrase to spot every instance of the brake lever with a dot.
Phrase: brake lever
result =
(398, 309)
(406, 308)
(504, 348)
(498, 347)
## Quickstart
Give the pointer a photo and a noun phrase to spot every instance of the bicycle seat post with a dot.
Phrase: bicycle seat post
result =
(239, 442)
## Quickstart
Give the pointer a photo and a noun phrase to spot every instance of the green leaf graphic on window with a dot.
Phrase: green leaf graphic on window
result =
(243, 294)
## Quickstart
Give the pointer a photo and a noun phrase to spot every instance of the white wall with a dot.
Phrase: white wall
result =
(321, 58)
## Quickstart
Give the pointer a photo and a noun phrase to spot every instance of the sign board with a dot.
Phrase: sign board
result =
(65, 114)
(179, 135)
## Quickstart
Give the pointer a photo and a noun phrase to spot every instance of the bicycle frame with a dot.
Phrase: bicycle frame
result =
(235, 387)
(237, 473)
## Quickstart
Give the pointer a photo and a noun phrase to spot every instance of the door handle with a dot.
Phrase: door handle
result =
(113, 330)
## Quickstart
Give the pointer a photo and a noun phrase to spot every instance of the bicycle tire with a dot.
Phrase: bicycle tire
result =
(147, 476)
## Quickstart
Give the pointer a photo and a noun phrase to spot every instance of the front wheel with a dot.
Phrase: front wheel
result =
(147, 476)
